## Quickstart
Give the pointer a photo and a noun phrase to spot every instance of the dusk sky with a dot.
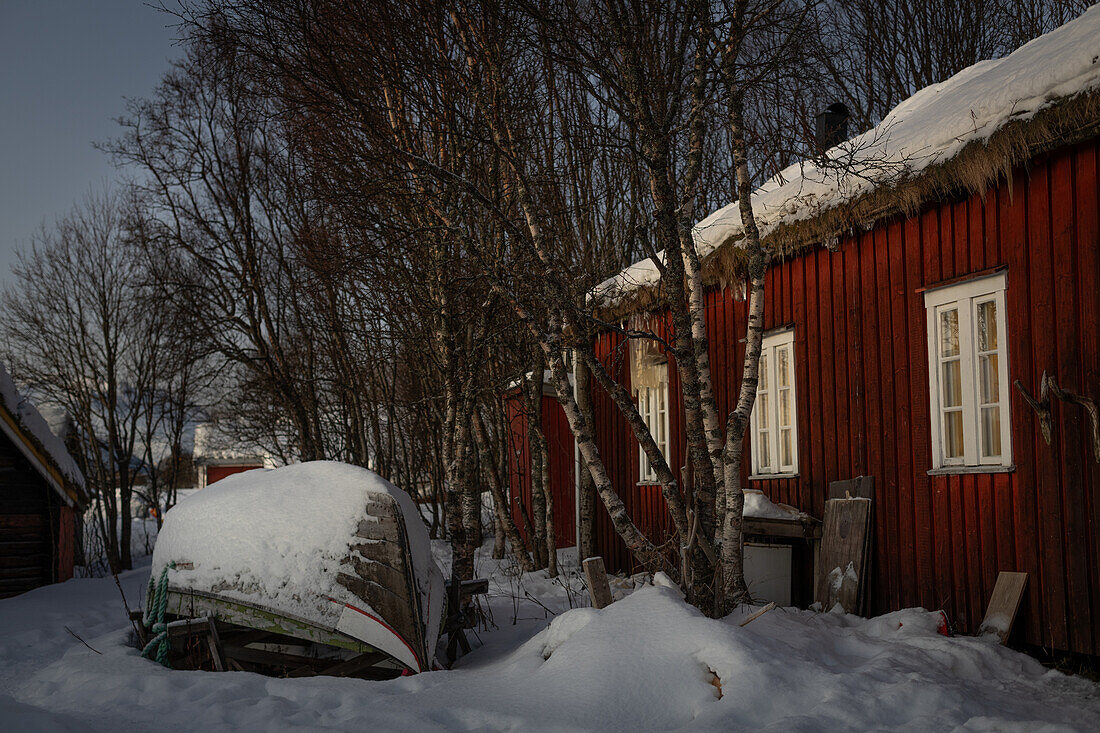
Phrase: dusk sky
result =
(65, 68)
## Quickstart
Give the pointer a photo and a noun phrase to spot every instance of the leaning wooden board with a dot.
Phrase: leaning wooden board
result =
(844, 551)
(1003, 604)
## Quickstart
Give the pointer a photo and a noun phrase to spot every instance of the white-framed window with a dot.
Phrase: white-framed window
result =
(774, 421)
(653, 406)
(968, 374)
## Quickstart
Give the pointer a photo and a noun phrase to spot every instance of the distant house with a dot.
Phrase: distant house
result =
(562, 471)
(218, 455)
(903, 308)
(41, 498)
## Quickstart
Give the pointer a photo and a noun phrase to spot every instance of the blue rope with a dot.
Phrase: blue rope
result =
(153, 618)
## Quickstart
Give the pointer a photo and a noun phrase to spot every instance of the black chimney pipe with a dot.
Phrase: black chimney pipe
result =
(832, 126)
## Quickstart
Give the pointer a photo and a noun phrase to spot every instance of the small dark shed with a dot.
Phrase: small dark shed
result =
(41, 495)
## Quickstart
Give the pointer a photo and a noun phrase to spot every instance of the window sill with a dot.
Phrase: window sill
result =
(770, 476)
(965, 470)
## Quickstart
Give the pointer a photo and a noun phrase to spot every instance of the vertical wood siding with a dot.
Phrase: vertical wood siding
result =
(863, 404)
(559, 437)
(31, 552)
(217, 473)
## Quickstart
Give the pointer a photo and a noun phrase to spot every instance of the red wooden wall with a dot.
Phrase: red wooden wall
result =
(217, 473)
(562, 466)
(863, 403)
(37, 533)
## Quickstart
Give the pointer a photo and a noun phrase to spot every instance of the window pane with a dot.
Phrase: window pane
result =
(765, 451)
(785, 447)
(784, 407)
(952, 384)
(949, 333)
(987, 325)
(659, 433)
(762, 384)
(989, 375)
(765, 411)
(782, 359)
(953, 434)
(991, 432)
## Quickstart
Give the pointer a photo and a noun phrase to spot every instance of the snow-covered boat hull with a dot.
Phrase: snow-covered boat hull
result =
(356, 574)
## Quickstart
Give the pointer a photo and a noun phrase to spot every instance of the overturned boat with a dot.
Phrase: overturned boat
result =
(313, 568)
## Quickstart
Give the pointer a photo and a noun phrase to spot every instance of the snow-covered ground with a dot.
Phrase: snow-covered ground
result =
(647, 662)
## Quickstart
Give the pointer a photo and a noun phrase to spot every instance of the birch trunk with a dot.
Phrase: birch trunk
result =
(733, 589)
(586, 539)
(532, 390)
(500, 498)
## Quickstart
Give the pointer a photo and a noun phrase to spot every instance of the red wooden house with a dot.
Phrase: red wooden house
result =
(562, 467)
(899, 311)
(41, 496)
(218, 455)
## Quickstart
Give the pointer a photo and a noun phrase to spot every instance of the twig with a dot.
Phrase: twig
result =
(77, 637)
(133, 623)
(758, 614)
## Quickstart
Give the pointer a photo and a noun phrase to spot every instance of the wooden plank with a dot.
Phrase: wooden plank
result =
(354, 665)
(1072, 426)
(183, 628)
(976, 212)
(812, 462)
(872, 340)
(960, 231)
(860, 487)
(827, 365)
(843, 553)
(1014, 244)
(901, 245)
(598, 587)
(924, 538)
(986, 494)
(33, 522)
(885, 521)
(857, 402)
(974, 588)
(957, 528)
(840, 323)
(383, 527)
(1048, 491)
(1088, 268)
(213, 641)
(1000, 614)
(271, 658)
(767, 527)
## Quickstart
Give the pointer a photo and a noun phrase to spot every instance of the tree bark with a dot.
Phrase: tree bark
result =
(586, 537)
(500, 498)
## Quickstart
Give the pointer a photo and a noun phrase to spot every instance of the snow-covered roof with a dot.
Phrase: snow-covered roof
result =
(930, 128)
(21, 421)
(214, 445)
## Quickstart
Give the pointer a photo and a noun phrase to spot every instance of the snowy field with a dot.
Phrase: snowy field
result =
(548, 663)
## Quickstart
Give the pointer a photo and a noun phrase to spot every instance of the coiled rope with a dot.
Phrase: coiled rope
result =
(153, 618)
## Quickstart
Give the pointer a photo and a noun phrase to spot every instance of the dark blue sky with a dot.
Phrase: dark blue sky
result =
(65, 67)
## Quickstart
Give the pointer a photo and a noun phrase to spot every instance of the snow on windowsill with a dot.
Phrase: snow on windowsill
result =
(964, 470)
(770, 476)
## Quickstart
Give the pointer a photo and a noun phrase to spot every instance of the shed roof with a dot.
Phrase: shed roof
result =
(21, 421)
(214, 445)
